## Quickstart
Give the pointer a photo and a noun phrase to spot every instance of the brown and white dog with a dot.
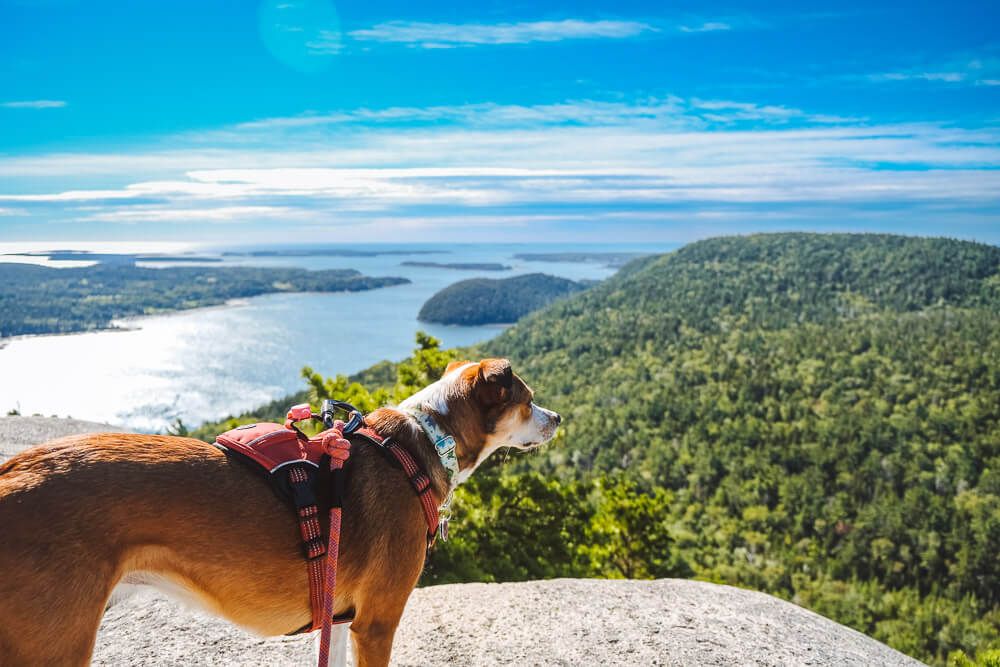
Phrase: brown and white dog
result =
(84, 514)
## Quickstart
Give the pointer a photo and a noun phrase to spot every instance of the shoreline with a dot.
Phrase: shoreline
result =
(240, 301)
(237, 302)
(137, 323)
(498, 325)
(27, 359)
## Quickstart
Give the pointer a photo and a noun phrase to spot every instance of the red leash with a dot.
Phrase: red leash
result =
(339, 449)
(289, 459)
(322, 587)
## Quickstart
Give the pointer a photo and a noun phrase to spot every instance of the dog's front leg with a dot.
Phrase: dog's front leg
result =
(338, 645)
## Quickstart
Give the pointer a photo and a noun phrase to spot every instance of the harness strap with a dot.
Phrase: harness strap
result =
(417, 478)
(421, 484)
(313, 548)
(323, 580)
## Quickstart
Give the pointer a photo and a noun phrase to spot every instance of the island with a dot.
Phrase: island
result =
(45, 300)
(327, 252)
(489, 301)
(114, 257)
(613, 260)
(462, 266)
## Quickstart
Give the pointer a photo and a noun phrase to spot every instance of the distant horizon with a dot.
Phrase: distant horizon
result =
(13, 248)
(480, 122)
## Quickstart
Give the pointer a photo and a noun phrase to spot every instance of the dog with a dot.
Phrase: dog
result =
(82, 515)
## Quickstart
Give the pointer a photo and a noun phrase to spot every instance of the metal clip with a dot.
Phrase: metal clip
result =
(443, 528)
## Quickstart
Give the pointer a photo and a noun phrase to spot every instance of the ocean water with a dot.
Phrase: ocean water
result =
(207, 363)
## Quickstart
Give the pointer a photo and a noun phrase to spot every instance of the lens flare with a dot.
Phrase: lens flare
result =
(302, 34)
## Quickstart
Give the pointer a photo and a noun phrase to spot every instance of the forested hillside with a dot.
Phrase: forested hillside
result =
(823, 409)
(486, 301)
(815, 416)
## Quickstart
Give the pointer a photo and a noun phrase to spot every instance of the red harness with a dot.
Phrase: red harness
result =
(293, 464)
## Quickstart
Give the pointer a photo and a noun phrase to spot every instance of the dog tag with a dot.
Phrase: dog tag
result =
(443, 529)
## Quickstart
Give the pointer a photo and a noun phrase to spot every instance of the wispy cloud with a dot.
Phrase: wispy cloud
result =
(444, 35)
(730, 112)
(327, 42)
(428, 35)
(707, 26)
(664, 112)
(34, 104)
(966, 70)
(916, 75)
(487, 114)
(230, 214)
(579, 161)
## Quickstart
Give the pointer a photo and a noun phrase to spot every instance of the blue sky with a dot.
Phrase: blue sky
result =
(545, 121)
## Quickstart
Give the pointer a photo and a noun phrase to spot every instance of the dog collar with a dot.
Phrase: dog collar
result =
(444, 445)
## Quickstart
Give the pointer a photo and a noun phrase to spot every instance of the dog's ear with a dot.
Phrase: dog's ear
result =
(453, 365)
(495, 380)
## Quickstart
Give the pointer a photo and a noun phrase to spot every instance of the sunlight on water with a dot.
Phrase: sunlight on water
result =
(208, 363)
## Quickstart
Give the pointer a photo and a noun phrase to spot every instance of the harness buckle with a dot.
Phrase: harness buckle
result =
(420, 482)
(302, 493)
(314, 548)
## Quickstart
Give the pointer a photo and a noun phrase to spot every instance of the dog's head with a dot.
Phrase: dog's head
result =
(486, 406)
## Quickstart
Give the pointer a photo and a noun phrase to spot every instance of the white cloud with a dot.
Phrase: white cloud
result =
(428, 35)
(34, 104)
(328, 42)
(578, 160)
(949, 77)
(967, 70)
(707, 26)
(444, 35)
(670, 110)
(729, 111)
(231, 214)
(488, 114)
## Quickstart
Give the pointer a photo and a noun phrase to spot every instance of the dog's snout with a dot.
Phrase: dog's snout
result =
(557, 418)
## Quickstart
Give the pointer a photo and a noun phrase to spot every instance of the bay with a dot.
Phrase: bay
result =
(207, 363)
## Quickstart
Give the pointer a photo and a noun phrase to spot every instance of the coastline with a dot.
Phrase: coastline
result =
(111, 328)
(234, 382)
(193, 362)
(236, 302)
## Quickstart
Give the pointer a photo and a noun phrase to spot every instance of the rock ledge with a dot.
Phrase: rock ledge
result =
(557, 622)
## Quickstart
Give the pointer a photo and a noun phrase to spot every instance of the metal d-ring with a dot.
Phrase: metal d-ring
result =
(357, 421)
(330, 406)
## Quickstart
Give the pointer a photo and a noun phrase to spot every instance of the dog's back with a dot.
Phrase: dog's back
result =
(80, 513)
